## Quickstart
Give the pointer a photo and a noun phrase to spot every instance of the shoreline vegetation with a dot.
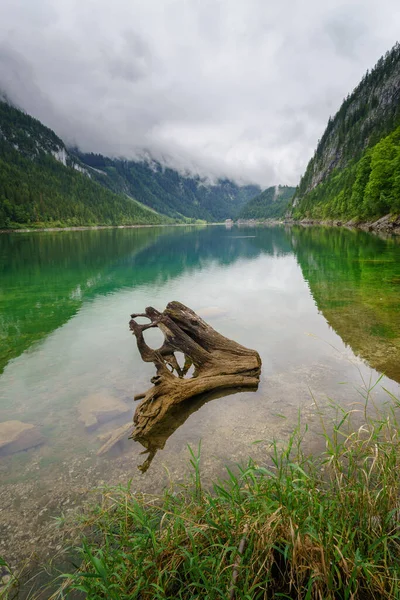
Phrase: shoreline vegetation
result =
(385, 224)
(301, 526)
(95, 227)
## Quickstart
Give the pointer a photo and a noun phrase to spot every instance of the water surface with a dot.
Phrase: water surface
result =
(321, 306)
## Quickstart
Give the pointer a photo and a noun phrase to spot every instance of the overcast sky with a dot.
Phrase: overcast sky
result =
(241, 88)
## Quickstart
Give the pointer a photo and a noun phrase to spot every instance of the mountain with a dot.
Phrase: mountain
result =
(355, 171)
(42, 184)
(166, 190)
(273, 203)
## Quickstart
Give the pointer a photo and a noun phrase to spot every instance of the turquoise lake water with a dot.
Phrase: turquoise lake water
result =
(321, 306)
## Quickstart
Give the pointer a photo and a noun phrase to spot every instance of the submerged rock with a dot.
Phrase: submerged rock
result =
(387, 224)
(5, 580)
(16, 436)
(100, 408)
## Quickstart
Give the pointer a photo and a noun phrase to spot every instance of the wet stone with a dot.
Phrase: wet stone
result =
(97, 409)
(16, 436)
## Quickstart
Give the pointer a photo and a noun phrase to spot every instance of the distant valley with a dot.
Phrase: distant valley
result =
(353, 175)
(43, 183)
(167, 191)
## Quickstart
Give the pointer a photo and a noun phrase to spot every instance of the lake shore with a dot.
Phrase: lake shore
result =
(96, 227)
(68, 298)
(387, 224)
(299, 525)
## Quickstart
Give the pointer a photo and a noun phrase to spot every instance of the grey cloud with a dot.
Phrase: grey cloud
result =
(218, 87)
(17, 81)
(345, 35)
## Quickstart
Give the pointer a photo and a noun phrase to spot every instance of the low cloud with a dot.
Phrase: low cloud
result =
(221, 87)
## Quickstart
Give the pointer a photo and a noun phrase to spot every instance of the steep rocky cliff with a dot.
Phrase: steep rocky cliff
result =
(344, 157)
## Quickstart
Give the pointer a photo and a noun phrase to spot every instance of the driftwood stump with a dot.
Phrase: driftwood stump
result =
(221, 367)
(218, 362)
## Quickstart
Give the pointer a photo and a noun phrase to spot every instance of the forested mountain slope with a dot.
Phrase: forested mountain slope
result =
(355, 171)
(272, 203)
(166, 190)
(41, 184)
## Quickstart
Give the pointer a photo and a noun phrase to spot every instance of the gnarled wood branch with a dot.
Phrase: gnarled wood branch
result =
(221, 367)
(219, 363)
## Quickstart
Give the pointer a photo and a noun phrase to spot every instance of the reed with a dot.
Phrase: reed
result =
(323, 527)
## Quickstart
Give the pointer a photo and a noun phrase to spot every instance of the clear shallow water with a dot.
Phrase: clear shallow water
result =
(322, 307)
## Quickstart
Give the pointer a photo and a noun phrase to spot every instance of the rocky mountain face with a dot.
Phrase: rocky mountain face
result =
(30, 137)
(368, 115)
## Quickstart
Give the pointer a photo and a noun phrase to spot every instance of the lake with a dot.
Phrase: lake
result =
(320, 305)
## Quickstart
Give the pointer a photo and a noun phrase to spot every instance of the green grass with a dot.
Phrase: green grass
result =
(323, 527)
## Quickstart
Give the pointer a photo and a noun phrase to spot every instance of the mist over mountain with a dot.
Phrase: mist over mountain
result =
(168, 191)
(44, 183)
(228, 90)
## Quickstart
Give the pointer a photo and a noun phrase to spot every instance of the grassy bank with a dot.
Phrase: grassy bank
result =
(304, 526)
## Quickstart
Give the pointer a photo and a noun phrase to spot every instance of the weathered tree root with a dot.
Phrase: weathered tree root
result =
(220, 367)
(218, 362)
